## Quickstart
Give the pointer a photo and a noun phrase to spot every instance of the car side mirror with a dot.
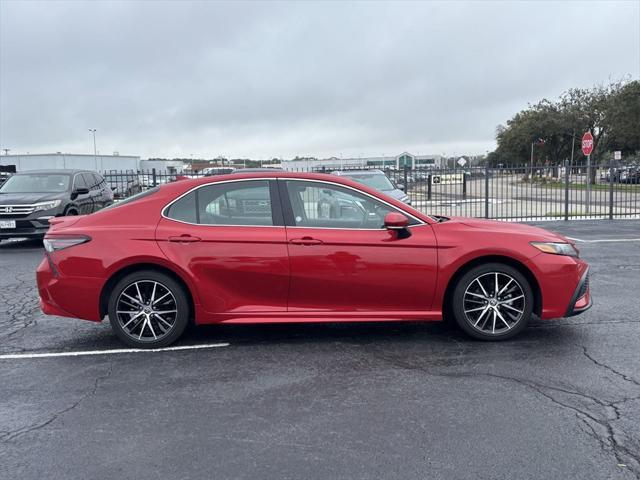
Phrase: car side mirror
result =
(79, 191)
(395, 221)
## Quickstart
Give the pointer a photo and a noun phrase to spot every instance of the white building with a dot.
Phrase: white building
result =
(50, 161)
(396, 162)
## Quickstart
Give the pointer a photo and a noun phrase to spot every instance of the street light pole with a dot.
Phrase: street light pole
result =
(531, 164)
(95, 150)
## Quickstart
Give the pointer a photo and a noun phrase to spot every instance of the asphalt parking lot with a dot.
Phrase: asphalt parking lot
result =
(404, 400)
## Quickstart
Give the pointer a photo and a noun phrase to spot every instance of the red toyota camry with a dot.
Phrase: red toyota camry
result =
(285, 247)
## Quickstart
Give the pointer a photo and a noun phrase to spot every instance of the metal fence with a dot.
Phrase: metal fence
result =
(503, 193)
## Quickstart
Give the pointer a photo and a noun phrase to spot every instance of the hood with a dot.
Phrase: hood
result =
(29, 198)
(536, 233)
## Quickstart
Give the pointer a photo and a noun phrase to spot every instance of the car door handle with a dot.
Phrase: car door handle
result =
(185, 239)
(305, 241)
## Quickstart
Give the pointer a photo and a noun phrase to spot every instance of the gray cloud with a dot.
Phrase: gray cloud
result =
(265, 79)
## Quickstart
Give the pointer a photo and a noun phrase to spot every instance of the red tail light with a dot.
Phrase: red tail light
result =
(52, 244)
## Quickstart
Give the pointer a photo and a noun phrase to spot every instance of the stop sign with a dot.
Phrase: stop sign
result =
(587, 143)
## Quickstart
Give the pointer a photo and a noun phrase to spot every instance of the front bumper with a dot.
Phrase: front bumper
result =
(34, 225)
(581, 299)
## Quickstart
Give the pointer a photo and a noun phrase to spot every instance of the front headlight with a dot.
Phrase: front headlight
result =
(47, 205)
(556, 248)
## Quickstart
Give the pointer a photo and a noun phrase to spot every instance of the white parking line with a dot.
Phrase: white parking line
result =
(19, 356)
(605, 240)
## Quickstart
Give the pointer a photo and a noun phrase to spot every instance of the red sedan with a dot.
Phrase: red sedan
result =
(285, 247)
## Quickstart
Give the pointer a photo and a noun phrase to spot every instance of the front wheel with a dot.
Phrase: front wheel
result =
(493, 301)
(148, 309)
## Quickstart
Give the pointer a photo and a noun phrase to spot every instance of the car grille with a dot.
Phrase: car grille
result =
(16, 211)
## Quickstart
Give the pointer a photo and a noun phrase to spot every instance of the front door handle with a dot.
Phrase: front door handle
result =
(186, 238)
(305, 241)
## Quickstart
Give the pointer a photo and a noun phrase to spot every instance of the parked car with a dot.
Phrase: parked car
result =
(123, 184)
(4, 176)
(378, 180)
(257, 249)
(209, 171)
(28, 200)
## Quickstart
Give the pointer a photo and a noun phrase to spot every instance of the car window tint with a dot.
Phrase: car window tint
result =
(90, 180)
(235, 203)
(184, 209)
(98, 179)
(324, 205)
(79, 181)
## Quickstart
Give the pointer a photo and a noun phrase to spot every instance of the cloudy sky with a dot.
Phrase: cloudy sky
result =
(262, 79)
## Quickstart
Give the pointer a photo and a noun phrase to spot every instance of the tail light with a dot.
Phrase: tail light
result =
(53, 244)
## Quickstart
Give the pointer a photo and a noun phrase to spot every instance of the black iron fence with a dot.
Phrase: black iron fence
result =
(503, 193)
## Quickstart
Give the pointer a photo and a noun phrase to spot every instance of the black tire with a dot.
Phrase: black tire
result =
(70, 212)
(178, 320)
(467, 296)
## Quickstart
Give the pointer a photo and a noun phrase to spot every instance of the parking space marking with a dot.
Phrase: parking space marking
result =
(25, 356)
(605, 240)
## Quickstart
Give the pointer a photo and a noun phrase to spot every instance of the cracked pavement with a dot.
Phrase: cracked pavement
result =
(385, 400)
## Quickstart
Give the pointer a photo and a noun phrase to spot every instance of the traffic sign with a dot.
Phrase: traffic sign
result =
(617, 155)
(587, 143)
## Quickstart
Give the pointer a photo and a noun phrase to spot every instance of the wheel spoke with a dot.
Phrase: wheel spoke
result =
(477, 295)
(136, 301)
(163, 296)
(153, 293)
(139, 294)
(505, 287)
(144, 324)
(162, 320)
(475, 309)
(495, 292)
(163, 312)
(132, 319)
(481, 315)
(502, 318)
(481, 287)
(493, 328)
(506, 305)
(512, 299)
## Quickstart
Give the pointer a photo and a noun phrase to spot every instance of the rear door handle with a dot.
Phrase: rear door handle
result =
(185, 239)
(305, 241)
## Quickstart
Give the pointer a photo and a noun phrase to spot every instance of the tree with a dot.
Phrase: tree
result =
(611, 113)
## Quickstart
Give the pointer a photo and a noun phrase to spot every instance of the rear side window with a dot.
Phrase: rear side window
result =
(234, 203)
(184, 209)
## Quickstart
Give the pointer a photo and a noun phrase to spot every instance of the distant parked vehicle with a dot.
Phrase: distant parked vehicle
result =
(29, 199)
(123, 184)
(210, 171)
(378, 180)
(4, 176)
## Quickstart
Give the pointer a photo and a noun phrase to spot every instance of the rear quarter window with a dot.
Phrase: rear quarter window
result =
(183, 209)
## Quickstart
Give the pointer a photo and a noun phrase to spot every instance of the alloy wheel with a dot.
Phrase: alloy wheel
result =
(147, 310)
(494, 303)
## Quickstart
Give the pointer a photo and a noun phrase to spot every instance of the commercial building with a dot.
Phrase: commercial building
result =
(42, 161)
(397, 162)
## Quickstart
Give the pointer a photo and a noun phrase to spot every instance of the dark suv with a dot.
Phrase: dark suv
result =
(29, 199)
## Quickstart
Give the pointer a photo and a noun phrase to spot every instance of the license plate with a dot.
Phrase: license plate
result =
(7, 224)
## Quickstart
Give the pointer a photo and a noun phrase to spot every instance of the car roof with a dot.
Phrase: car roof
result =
(56, 171)
(258, 169)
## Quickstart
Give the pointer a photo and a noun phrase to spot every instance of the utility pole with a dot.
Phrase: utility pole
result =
(95, 150)
(6, 151)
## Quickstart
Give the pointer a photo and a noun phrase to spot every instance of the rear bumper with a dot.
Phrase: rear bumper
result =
(581, 299)
(75, 297)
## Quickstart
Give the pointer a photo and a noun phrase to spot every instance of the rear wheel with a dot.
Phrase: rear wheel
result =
(148, 309)
(492, 302)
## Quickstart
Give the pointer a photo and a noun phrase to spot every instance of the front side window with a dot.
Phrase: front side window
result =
(235, 203)
(79, 182)
(323, 205)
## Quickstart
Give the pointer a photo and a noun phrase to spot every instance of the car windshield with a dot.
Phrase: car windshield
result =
(378, 181)
(36, 183)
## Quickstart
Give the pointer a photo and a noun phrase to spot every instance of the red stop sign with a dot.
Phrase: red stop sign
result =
(587, 143)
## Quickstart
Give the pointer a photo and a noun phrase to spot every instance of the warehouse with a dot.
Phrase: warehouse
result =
(49, 161)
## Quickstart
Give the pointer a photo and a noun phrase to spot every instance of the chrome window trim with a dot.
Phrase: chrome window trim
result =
(164, 209)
